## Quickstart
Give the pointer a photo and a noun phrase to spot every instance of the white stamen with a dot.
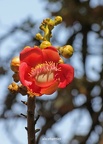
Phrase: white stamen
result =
(45, 77)
(44, 72)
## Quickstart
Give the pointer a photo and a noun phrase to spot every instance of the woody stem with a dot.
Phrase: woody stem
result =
(30, 120)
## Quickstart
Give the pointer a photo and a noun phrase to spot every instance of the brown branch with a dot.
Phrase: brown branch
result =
(30, 120)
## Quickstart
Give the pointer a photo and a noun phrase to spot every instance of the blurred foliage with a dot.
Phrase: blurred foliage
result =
(83, 20)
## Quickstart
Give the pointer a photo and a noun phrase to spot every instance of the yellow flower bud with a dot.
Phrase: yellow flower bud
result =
(61, 61)
(26, 47)
(66, 51)
(39, 36)
(15, 62)
(13, 87)
(58, 20)
(45, 44)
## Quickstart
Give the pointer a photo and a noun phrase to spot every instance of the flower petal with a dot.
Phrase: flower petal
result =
(34, 89)
(32, 56)
(51, 54)
(27, 81)
(51, 89)
(66, 75)
(23, 74)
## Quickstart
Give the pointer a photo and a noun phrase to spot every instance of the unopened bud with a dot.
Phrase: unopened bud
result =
(61, 61)
(66, 51)
(45, 44)
(58, 20)
(13, 87)
(15, 62)
(27, 47)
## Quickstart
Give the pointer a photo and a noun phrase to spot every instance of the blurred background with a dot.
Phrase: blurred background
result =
(74, 114)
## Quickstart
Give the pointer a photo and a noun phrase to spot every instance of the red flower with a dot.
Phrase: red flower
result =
(41, 72)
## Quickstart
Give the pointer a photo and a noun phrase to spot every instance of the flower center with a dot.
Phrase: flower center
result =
(44, 72)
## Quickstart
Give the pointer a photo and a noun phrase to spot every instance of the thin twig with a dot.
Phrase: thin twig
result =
(26, 128)
(24, 102)
(37, 130)
(36, 119)
(23, 115)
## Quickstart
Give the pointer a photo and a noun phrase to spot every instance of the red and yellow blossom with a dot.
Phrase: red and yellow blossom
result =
(41, 72)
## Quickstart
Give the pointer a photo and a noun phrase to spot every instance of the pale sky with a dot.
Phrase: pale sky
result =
(13, 12)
